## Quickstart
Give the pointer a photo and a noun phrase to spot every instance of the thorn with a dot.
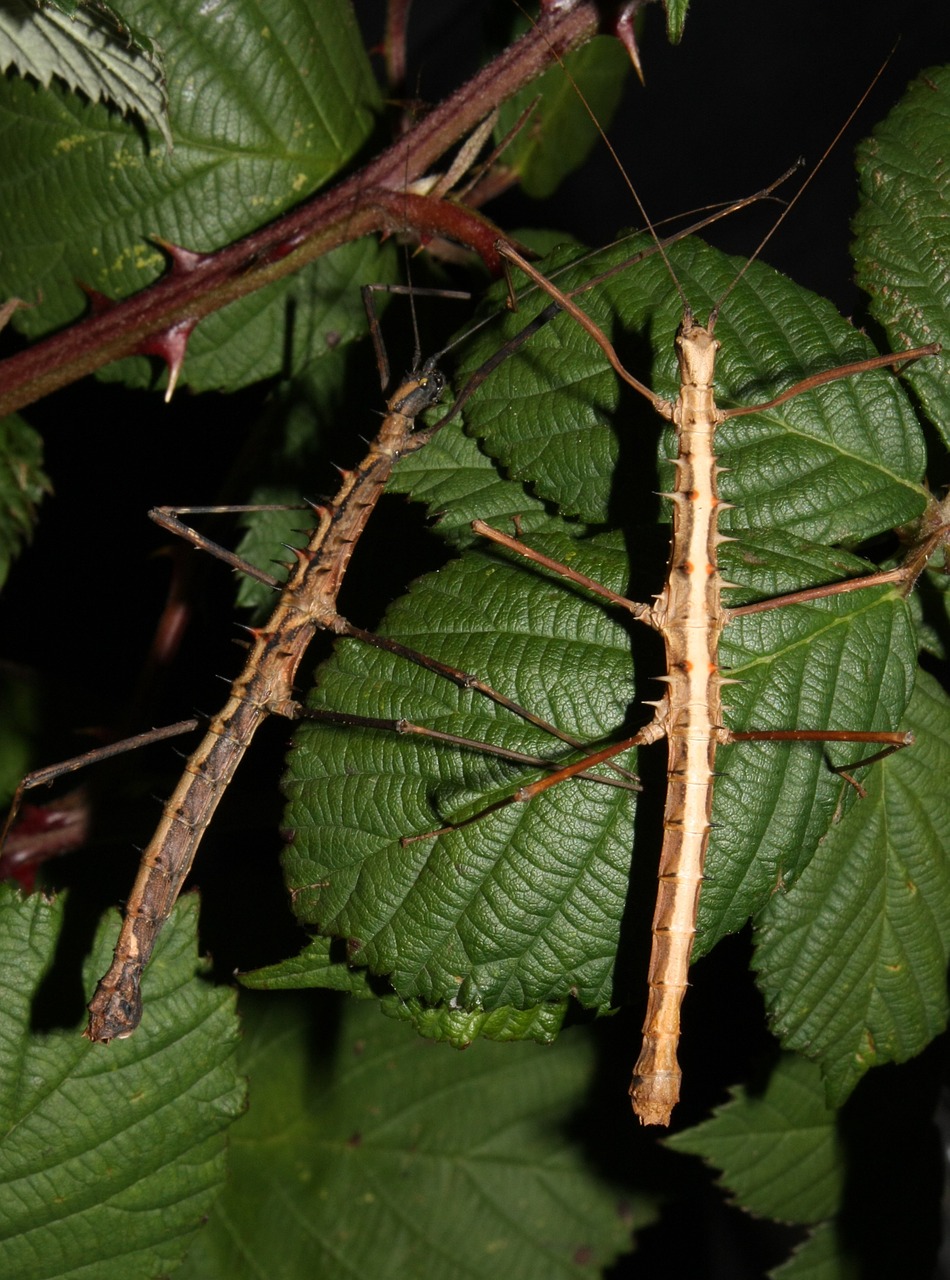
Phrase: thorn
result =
(170, 345)
(183, 260)
(99, 303)
(625, 31)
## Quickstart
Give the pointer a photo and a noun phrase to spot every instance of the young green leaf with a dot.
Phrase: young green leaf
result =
(22, 486)
(676, 11)
(560, 131)
(820, 1257)
(777, 1148)
(323, 964)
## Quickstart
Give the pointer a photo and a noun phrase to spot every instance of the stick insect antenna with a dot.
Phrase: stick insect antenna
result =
(801, 190)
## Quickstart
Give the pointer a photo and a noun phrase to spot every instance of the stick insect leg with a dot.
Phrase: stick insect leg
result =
(167, 518)
(379, 346)
(888, 741)
(651, 732)
(350, 720)
(465, 680)
(49, 774)
(903, 575)
(642, 612)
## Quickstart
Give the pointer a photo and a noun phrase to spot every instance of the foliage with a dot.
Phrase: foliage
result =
(367, 1144)
(109, 1159)
(91, 50)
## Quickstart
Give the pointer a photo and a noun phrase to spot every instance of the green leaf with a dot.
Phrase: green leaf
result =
(517, 909)
(109, 1157)
(90, 52)
(322, 964)
(902, 232)
(264, 108)
(820, 1257)
(318, 965)
(853, 957)
(676, 11)
(527, 904)
(460, 1027)
(22, 486)
(390, 1157)
(453, 477)
(777, 1148)
(840, 463)
(561, 130)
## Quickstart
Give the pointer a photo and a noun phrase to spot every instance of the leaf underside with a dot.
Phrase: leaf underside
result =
(388, 1156)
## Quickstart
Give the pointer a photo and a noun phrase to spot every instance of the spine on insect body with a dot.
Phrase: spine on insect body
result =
(689, 612)
(264, 687)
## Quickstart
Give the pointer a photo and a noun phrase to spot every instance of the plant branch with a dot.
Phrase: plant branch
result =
(162, 315)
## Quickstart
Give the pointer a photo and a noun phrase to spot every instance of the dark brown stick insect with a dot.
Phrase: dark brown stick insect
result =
(527, 904)
(307, 603)
(265, 687)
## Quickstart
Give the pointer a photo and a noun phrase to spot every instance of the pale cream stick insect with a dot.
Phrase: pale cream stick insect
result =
(691, 617)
